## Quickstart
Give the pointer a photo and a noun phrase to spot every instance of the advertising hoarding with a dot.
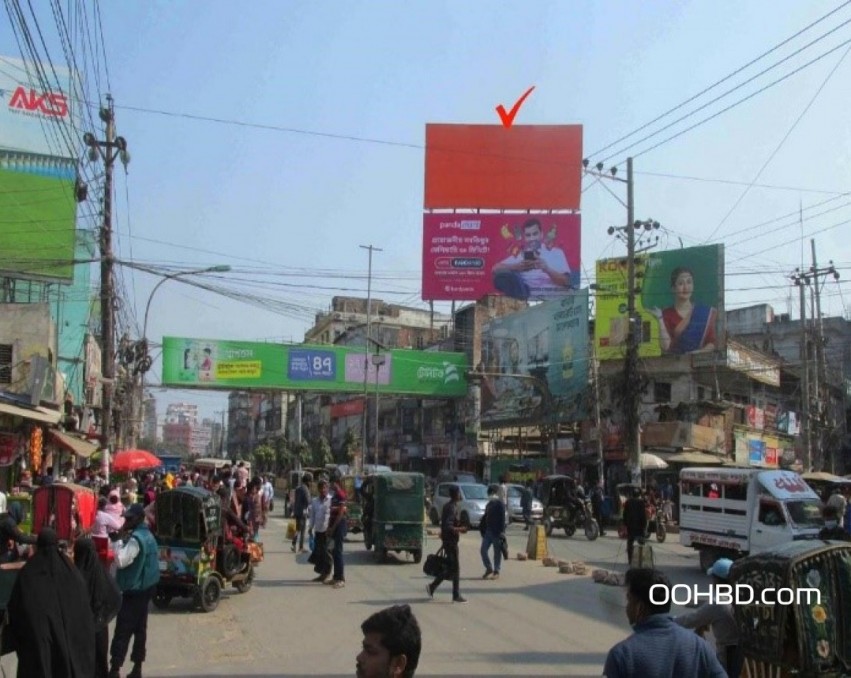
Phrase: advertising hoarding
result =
(679, 306)
(491, 167)
(548, 344)
(525, 256)
(37, 175)
(216, 364)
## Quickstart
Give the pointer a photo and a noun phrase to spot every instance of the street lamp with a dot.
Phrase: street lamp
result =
(144, 360)
(378, 359)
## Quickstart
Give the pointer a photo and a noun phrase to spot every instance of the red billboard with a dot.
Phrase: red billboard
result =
(537, 167)
(524, 256)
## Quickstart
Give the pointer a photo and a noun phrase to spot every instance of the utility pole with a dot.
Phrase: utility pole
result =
(633, 434)
(801, 280)
(108, 150)
(821, 390)
(365, 426)
(601, 477)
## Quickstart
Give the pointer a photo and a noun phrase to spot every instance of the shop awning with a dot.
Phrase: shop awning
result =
(80, 447)
(695, 458)
(41, 414)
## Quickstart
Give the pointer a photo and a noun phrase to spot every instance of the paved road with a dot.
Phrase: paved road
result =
(532, 621)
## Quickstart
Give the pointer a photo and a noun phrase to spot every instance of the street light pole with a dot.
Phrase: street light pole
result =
(143, 368)
(365, 425)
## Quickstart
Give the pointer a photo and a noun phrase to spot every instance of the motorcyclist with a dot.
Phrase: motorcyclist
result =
(577, 503)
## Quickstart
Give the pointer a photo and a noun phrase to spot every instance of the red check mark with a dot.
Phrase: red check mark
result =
(508, 118)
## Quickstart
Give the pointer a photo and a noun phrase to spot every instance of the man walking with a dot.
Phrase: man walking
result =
(492, 529)
(526, 504)
(635, 521)
(138, 574)
(597, 506)
(338, 528)
(320, 514)
(450, 530)
(301, 502)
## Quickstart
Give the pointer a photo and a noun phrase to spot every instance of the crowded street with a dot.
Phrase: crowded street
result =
(532, 621)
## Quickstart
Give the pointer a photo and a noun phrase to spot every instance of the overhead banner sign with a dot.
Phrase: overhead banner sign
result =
(526, 355)
(524, 256)
(216, 364)
(679, 308)
(537, 167)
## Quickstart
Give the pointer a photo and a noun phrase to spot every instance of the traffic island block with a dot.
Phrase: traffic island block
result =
(550, 562)
(536, 544)
(522, 556)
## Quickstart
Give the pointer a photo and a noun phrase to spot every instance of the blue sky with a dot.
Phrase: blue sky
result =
(201, 193)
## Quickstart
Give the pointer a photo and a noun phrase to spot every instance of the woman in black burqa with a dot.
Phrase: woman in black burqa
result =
(104, 599)
(49, 615)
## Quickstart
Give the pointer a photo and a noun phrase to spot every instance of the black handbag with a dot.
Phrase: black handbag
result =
(436, 564)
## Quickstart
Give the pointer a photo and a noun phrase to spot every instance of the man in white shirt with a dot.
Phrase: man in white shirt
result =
(320, 515)
(537, 272)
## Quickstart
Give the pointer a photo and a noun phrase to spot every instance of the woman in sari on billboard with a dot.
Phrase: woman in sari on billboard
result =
(686, 326)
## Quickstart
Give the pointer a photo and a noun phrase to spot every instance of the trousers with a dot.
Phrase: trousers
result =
(489, 539)
(132, 621)
(451, 549)
(300, 527)
(337, 552)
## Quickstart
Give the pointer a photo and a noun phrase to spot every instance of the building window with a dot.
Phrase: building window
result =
(5, 363)
(661, 392)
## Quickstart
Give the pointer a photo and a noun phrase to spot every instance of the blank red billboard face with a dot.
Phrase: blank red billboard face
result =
(536, 167)
(533, 257)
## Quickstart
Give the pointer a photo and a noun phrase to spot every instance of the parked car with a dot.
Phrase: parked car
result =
(457, 477)
(471, 508)
(515, 511)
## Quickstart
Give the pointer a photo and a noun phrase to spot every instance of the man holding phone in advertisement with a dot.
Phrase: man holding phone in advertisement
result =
(537, 271)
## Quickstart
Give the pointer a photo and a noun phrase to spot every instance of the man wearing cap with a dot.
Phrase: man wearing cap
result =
(136, 556)
(720, 618)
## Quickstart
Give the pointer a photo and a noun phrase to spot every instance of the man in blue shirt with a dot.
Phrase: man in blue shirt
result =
(660, 647)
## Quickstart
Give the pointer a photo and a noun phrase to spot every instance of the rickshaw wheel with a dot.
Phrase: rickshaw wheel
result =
(208, 594)
(161, 600)
(661, 533)
(244, 585)
(569, 529)
(417, 554)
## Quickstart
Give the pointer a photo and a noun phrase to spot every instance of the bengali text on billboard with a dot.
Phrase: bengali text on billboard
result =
(217, 364)
(679, 307)
(536, 167)
(531, 257)
(535, 364)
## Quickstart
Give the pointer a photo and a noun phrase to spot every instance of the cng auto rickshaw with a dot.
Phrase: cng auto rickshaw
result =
(394, 514)
(194, 559)
(809, 636)
(565, 509)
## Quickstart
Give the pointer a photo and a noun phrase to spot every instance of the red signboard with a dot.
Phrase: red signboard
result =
(525, 256)
(536, 167)
(347, 408)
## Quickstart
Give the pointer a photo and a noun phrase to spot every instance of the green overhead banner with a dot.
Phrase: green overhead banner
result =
(216, 364)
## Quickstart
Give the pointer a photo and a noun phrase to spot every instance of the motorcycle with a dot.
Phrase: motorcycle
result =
(565, 509)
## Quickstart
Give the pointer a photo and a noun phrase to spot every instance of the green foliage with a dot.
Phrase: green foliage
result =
(320, 452)
(264, 457)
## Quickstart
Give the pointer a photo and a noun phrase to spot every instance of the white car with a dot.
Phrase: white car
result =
(471, 508)
(515, 511)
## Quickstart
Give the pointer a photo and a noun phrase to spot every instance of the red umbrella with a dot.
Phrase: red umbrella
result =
(128, 461)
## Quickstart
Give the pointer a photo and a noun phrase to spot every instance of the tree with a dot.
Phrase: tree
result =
(350, 448)
(321, 452)
(264, 457)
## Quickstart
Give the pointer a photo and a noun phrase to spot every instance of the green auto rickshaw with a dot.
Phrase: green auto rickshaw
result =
(195, 560)
(394, 514)
(807, 632)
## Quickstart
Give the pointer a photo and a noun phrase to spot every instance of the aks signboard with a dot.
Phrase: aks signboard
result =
(532, 257)
(525, 354)
(217, 364)
(679, 307)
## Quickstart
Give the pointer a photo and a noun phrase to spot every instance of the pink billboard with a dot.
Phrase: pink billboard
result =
(523, 256)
